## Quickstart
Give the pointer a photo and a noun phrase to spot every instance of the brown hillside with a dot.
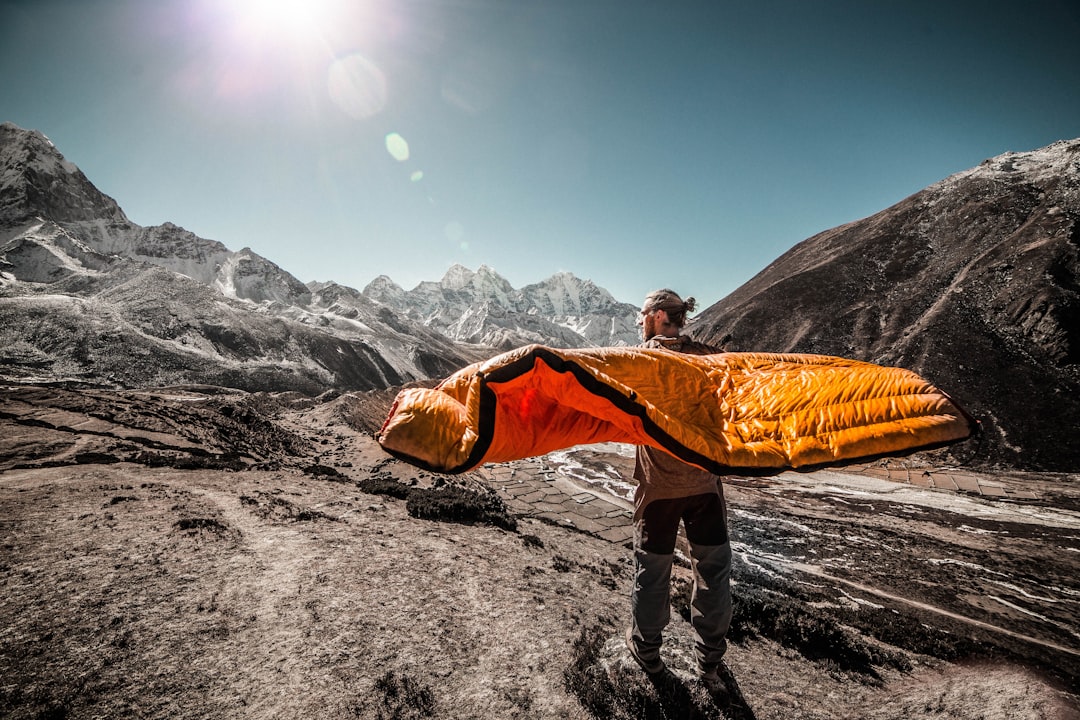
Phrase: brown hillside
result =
(972, 282)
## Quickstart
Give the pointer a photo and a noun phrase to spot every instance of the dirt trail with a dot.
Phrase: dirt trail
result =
(268, 591)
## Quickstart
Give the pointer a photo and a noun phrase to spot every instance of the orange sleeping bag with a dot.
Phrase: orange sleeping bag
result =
(726, 412)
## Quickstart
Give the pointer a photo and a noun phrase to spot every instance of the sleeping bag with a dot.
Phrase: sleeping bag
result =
(726, 413)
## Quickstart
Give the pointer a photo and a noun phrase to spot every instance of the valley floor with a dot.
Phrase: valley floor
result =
(149, 569)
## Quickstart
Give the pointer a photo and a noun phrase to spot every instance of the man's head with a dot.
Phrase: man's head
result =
(664, 313)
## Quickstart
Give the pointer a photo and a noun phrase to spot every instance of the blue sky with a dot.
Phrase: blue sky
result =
(637, 144)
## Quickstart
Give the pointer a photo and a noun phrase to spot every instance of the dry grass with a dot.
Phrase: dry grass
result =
(310, 585)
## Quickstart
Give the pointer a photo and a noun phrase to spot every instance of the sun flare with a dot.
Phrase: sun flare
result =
(282, 19)
(291, 54)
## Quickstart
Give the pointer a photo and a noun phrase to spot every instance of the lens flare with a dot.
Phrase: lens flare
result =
(397, 147)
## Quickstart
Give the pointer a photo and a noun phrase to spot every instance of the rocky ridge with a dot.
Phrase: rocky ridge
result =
(973, 282)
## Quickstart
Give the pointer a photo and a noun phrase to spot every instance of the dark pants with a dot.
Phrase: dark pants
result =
(705, 519)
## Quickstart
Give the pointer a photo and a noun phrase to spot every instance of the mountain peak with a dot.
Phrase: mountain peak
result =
(457, 277)
(382, 281)
(482, 307)
(384, 290)
(1046, 164)
(36, 180)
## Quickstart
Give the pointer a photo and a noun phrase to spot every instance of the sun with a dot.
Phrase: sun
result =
(270, 21)
(281, 15)
(272, 54)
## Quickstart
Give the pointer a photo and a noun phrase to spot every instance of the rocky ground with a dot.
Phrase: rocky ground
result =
(193, 552)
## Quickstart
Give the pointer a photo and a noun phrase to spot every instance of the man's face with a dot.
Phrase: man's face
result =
(648, 322)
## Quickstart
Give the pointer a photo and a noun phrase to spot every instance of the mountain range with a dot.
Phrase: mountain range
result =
(482, 308)
(972, 282)
(87, 296)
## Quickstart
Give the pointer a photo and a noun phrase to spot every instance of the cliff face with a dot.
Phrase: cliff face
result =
(36, 180)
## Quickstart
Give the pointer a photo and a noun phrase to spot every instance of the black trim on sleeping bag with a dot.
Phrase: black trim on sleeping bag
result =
(628, 405)
(588, 382)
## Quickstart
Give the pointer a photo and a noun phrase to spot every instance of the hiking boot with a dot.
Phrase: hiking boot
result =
(715, 683)
(652, 667)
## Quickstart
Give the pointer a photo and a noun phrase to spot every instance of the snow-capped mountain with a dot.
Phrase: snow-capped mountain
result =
(37, 182)
(86, 295)
(482, 307)
(973, 282)
(71, 314)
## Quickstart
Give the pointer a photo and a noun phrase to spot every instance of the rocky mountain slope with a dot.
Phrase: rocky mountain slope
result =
(203, 551)
(974, 282)
(88, 296)
(69, 313)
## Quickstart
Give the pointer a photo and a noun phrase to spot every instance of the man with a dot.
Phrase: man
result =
(670, 491)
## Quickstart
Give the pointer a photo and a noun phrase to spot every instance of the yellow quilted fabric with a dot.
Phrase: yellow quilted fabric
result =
(723, 412)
